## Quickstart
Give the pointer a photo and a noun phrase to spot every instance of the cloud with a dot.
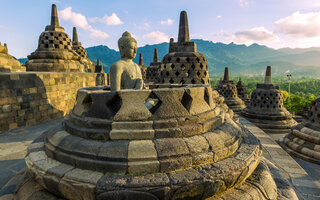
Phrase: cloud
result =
(256, 34)
(167, 22)
(79, 20)
(219, 16)
(146, 25)
(156, 37)
(243, 3)
(3, 27)
(305, 25)
(112, 20)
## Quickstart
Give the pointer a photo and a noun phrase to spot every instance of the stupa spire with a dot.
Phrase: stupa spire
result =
(267, 79)
(183, 28)
(75, 35)
(226, 74)
(98, 62)
(141, 59)
(54, 16)
(155, 56)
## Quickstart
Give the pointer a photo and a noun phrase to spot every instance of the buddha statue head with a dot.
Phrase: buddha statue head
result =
(127, 46)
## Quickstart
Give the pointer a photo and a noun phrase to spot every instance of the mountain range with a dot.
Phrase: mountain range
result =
(241, 59)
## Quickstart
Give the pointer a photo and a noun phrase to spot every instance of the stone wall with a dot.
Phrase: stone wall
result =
(33, 97)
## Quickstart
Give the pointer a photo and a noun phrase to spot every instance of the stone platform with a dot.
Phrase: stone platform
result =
(183, 146)
(305, 180)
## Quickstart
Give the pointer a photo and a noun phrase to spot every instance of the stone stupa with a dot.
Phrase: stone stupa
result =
(81, 51)
(304, 139)
(100, 78)
(7, 62)
(154, 68)
(143, 67)
(183, 64)
(242, 92)
(228, 90)
(266, 108)
(166, 142)
(98, 67)
(55, 51)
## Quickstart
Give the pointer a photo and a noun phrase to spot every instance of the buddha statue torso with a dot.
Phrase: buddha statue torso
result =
(125, 74)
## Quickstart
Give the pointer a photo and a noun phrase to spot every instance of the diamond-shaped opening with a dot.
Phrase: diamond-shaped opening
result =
(202, 81)
(186, 100)
(169, 59)
(205, 73)
(172, 66)
(167, 73)
(177, 73)
(178, 59)
(183, 67)
(189, 73)
(198, 59)
(193, 81)
(114, 104)
(164, 66)
(201, 65)
(193, 66)
(153, 103)
(171, 80)
(182, 81)
(87, 102)
(198, 73)
(188, 59)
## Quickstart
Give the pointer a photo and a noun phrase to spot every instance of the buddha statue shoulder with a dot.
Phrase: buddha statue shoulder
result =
(125, 74)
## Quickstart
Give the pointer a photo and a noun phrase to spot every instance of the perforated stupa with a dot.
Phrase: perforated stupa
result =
(266, 108)
(228, 90)
(55, 50)
(304, 139)
(183, 64)
(9, 63)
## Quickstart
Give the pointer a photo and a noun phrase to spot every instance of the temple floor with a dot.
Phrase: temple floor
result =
(304, 176)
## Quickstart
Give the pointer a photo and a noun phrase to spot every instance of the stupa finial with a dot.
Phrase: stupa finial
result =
(226, 74)
(75, 35)
(98, 62)
(155, 56)
(54, 16)
(183, 28)
(267, 79)
(141, 59)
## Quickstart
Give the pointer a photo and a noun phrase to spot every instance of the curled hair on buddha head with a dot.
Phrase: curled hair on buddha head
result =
(125, 40)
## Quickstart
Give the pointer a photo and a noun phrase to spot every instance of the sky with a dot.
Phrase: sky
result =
(274, 23)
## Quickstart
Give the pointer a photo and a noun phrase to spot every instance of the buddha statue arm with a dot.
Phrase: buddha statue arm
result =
(115, 76)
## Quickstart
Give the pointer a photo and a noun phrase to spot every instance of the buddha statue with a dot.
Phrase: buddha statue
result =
(125, 74)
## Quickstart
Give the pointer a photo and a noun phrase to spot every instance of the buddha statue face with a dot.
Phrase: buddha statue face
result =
(127, 46)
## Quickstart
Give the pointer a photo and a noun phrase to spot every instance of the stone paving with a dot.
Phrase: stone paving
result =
(13, 147)
(304, 176)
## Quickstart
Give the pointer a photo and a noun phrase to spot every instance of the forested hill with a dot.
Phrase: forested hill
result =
(241, 59)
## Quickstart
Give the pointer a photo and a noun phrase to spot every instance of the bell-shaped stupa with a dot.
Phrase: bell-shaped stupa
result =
(266, 108)
(304, 139)
(228, 90)
(7, 62)
(152, 75)
(81, 51)
(183, 64)
(143, 67)
(242, 92)
(55, 51)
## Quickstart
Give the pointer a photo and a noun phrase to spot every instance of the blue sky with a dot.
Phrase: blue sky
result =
(275, 23)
